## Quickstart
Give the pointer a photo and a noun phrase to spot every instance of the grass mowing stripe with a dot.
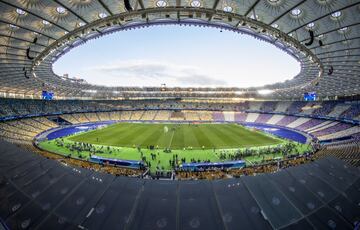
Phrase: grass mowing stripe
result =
(242, 136)
(228, 140)
(190, 139)
(117, 130)
(124, 138)
(100, 133)
(146, 134)
(226, 136)
(203, 137)
(212, 133)
(185, 135)
(153, 138)
(178, 138)
(254, 138)
(131, 135)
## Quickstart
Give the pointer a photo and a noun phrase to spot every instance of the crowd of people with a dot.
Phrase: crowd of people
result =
(79, 147)
(284, 150)
(289, 153)
(105, 168)
(222, 173)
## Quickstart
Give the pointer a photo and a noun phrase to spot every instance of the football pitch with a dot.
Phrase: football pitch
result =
(199, 142)
(176, 136)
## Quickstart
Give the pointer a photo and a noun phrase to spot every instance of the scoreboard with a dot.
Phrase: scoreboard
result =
(311, 96)
(47, 95)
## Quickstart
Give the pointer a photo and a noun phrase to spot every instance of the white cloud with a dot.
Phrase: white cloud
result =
(150, 73)
(178, 56)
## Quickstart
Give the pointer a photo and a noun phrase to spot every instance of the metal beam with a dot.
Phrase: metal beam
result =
(21, 39)
(330, 31)
(214, 8)
(16, 64)
(325, 62)
(323, 16)
(141, 3)
(34, 14)
(18, 48)
(25, 28)
(71, 11)
(105, 7)
(341, 56)
(9, 54)
(286, 12)
(13, 59)
(331, 43)
(251, 8)
(333, 51)
(350, 67)
(216, 4)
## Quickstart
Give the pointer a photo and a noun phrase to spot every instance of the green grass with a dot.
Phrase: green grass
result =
(123, 137)
(178, 136)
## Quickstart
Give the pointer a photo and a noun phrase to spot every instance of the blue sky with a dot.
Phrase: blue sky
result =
(178, 56)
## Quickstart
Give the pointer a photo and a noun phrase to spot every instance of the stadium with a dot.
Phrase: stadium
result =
(191, 149)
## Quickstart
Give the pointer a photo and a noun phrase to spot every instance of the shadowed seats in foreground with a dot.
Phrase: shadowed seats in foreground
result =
(36, 192)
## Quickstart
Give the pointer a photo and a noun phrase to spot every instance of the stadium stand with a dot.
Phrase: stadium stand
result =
(286, 120)
(263, 118)
(309, 124)
(218, 116)
(177, 116)
(62, 196)
(333, 129)
(240, 117)
(295, 107)
(338, 110)
(324, 109)
(275, 119)
(162, 116)
(255, 106)
(348, 152)
(282, 107)
(352, 113)
(321, 126)
(251, 117)
(149, 115)
(269, 106)
(229, 116)
(298, 122)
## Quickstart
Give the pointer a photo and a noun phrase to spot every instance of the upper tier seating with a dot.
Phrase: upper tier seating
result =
(268, 106)
(18, 107)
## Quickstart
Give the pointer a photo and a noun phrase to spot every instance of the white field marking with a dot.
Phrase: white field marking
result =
(171, 139)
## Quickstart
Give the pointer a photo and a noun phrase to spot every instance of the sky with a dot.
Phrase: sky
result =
(183, 56)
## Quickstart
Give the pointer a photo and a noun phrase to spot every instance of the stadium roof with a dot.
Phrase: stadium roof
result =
(324, 35)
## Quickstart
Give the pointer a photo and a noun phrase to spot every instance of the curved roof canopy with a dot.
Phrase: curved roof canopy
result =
(324, 35)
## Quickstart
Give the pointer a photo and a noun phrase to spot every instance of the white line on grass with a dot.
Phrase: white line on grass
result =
(171, 139)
